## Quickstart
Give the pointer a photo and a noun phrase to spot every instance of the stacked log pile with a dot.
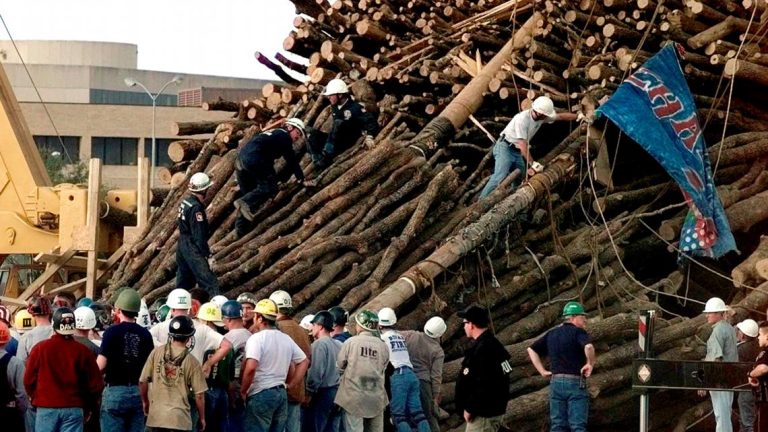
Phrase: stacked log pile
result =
(408, 206)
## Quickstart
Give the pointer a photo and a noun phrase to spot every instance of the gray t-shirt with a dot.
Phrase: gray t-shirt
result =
(322, 370)
(31, 338)
(722, 343)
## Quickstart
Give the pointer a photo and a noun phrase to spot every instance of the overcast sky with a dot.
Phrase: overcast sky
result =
(185, 36)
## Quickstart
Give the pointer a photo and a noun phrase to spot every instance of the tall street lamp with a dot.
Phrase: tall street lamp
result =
(130, 82)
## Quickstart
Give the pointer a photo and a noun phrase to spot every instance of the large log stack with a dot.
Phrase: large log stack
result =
(593, 226)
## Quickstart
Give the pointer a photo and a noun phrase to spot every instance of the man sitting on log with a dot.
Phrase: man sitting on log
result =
(572, 358)
(193, 257)
(256, 172)
(512, 149)
(350, 123)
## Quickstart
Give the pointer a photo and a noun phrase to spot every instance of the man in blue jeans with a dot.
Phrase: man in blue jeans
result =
(125, 348)
(572, 357)
(512, 149)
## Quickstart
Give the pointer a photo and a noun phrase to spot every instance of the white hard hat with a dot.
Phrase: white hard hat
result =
(306, 322)
(85, 318)
(336, 86)
(544, 106)
(748, 327)
(298, 124)
(435, 327)
(219, 300)
(282, 299)
(179, 299)
(387, 317)
(143, 317)
(715, 304)
(199, 182)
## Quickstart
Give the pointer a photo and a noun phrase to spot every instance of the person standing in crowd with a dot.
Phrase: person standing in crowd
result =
(85, 321)
(758, 379)
(13, 401)
(173, 373)
(427, 357)
(322, 378)
(482, 389)
(104, 320)
(5, 318)
(350, 123)
(204, 339)
(721, 346)
(572, 358)
(193, 256)
(23, 322)
(748, 348)
(362, 361)
(255, 169)
(124, 350)
(273, 362)
(248, 302)
(340, 318)
(237, 335)
(64, 299)
(512, 149)
(40, 309)
(405, 405)
(62, 379)
(216, 397)
(286, 324)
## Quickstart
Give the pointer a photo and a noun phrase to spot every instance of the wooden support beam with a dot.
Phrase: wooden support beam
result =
(76, 262)
(94, 185)
(49, 272)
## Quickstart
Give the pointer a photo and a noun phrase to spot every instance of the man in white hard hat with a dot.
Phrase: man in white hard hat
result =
(350, 123)
(427, 357)
(721, 346)
(748, 348)
(255, 170)
(193, 257)
(512, 149)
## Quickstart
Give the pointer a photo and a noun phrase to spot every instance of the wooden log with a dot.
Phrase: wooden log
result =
(748, 71)
(747, 272)
(204, 127)
(221, 105)
(290, 64)
(184, 150)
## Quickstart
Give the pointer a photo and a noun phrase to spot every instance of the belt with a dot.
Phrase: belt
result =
(511, 145)
(277, 387)
(402, 369)
(566, 376)
(120, 385)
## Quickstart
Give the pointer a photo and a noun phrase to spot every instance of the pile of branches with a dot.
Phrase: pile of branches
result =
(400, 225)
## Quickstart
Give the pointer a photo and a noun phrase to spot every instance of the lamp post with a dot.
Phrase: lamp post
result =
(130, 82)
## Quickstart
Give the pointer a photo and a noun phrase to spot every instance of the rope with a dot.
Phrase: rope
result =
(37, 91)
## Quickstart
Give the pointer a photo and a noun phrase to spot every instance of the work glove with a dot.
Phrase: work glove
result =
(369, 142)
(582, 118)
(537, 167)
(211, 261)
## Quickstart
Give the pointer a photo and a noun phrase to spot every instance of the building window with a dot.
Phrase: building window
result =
(162, 151)
(124, 97)
(50, 144)
(115, 150)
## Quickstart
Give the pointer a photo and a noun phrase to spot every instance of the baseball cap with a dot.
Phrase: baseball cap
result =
(475, 314)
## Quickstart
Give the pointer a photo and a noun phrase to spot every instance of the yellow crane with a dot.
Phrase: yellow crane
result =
(58, 223)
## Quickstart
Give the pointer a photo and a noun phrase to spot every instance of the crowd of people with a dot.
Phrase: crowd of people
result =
(191, 362)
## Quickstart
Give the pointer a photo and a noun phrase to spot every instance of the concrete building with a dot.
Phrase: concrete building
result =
(88, 105)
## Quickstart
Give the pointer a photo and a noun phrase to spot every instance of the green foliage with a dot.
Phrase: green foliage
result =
(61, 171)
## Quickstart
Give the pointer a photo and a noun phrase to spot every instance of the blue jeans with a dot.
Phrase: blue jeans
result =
(406, 401)
(121, 409)
(267, 410)
(568, 405)
(746, 411)
(216, 409)
(507, 157)
(721, 406)
(322, 415)
(237, 415)
(59, 420)
(293, 417)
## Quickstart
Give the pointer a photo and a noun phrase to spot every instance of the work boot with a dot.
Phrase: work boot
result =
(244, 209)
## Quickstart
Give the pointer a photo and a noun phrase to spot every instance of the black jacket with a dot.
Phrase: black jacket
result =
(193, 226)
(483, 386)
(258, 156)
(350, 122)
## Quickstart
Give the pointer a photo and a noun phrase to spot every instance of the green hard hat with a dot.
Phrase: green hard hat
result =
(162, 313)
(129, 300)
(573, 308)
(367, 320)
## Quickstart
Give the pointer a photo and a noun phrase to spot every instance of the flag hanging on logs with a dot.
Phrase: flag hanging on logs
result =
(655, 108)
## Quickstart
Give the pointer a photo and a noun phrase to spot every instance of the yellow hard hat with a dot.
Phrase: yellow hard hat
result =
(267, 308)
(210, 312)
(23, 321)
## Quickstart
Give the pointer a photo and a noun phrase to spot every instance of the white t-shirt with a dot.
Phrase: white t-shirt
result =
(275, 351)
(205, 338)
(238, 338)
(398, 350)
(523, 127)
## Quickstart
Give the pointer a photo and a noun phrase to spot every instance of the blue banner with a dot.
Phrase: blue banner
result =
(655, 108)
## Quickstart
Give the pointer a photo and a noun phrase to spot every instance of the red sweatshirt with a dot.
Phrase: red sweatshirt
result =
(62, 373)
